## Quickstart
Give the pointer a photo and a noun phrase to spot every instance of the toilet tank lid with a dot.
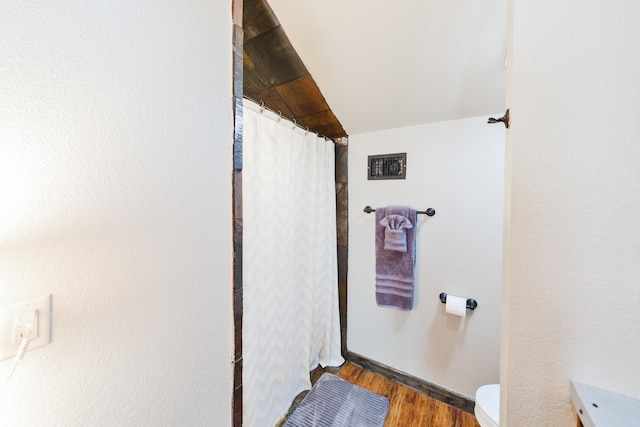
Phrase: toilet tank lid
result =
(488, 398)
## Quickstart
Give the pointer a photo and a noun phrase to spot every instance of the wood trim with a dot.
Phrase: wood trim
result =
(435, 391)
(238, 42)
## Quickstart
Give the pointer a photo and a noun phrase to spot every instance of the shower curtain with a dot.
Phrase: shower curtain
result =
(290, 289)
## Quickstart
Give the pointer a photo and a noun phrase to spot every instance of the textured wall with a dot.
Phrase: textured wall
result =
(457, 168)
(573, 257)
(115, 168)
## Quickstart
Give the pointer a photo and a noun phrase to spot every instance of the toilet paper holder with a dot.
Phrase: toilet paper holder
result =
(471, 303)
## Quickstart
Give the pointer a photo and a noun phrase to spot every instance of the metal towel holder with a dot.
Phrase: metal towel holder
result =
(428, 212)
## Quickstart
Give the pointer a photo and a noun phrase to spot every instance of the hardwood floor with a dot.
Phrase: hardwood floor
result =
(408, 408)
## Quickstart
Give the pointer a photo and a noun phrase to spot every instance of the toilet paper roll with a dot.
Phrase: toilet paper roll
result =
(456, 305)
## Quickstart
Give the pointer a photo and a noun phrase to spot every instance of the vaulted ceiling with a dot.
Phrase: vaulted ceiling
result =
(377, 64)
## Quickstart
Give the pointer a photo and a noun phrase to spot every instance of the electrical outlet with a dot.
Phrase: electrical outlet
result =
(30, 319)
(25, 326)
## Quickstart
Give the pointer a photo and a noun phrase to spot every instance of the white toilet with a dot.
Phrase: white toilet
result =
(487, 409)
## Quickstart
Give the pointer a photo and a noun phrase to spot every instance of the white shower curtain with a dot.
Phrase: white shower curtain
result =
(290, 284)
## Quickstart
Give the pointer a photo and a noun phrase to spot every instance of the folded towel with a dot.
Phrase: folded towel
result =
(395, 269)
(395, 238)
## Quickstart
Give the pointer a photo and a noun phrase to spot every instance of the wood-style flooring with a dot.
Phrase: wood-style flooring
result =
(408, 408)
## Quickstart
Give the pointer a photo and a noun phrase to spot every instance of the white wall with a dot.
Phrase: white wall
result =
(573, 258)
(115, 166)
(456, 167)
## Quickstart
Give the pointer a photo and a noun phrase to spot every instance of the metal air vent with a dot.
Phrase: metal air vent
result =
(387, 166)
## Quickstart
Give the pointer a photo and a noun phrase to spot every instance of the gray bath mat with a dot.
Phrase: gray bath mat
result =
(334, 402)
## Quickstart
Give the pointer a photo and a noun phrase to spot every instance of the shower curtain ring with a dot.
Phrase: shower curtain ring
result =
(279, 115)
(294, 124)
(261, 106)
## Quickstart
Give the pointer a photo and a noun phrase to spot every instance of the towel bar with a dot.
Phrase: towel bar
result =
(428, 212)
(471, 303)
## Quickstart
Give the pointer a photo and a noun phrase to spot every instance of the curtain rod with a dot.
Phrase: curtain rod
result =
(280, 116)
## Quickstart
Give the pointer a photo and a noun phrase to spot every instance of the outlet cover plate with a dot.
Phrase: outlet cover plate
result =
(42, 307)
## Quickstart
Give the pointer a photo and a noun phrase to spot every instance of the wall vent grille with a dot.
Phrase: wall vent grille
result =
(387, 166)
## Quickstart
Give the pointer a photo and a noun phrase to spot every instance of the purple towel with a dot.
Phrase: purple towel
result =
(395, 238)
(394, 268)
